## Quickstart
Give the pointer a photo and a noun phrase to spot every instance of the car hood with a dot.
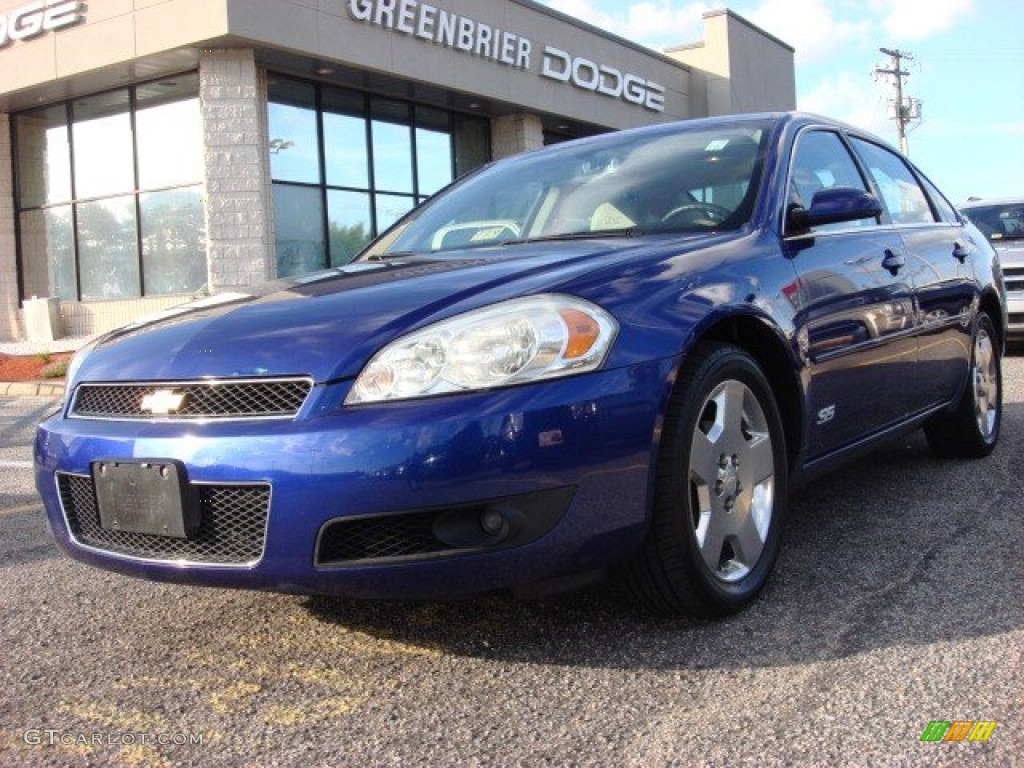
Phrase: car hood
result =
(328, 324)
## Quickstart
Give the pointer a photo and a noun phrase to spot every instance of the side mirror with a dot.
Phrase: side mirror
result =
(834, 205)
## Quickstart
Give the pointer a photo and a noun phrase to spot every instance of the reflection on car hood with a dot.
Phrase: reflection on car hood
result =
(327, 325)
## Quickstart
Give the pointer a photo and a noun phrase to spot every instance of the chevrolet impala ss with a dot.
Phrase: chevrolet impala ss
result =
(614, 355)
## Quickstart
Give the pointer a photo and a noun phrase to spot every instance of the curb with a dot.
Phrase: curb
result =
(31, 388)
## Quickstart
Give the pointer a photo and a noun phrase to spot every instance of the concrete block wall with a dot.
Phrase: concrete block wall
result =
(512, 134)
(238, 193)
(9, 327)
(88, 318)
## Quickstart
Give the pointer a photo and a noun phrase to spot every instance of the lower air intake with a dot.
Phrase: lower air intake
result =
(501, 523)
(232, 531)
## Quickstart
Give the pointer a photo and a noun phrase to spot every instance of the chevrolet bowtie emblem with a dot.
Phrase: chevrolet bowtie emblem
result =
(162, 402)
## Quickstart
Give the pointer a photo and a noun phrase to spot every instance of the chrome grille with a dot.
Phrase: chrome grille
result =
(233, 399)
(1013, 277)
(232, 531)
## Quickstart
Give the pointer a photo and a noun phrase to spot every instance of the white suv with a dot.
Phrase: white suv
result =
(1002, 222)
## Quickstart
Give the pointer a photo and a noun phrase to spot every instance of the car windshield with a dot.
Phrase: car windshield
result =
(1004, 221)
(690, 178)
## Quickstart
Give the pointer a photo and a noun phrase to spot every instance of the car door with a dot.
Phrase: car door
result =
(855, 319)
(938, 254)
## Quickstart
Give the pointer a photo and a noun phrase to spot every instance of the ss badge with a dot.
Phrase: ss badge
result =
(826, 414)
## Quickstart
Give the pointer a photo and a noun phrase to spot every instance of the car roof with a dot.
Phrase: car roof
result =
(795, 119)
(799, 120)
(988, 202)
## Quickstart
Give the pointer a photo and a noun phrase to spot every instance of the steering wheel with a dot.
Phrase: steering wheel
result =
(702, 214)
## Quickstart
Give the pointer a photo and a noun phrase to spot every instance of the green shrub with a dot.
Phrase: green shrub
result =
(55, 370)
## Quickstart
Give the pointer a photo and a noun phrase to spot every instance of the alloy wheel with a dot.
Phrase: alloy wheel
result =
(986, 384)
(731, 480)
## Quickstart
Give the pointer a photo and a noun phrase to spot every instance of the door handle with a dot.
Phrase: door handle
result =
(960, 253)
(893, 262)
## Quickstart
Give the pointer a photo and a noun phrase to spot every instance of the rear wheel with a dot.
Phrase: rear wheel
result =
(720, 490)
(972, 429)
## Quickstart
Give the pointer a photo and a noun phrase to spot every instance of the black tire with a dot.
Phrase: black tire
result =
(971, 430)
(699, 498)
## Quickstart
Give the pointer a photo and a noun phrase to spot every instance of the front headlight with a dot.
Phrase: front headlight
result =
(537, 337)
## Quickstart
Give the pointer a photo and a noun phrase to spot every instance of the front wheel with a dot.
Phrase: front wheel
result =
(972, 429)
(720, 494)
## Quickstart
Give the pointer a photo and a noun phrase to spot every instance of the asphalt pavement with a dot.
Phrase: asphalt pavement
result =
(897, 601)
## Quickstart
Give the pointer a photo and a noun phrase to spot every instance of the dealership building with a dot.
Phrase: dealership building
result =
(152, 151)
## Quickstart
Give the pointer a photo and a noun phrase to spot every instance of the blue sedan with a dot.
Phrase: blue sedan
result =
(615, 355)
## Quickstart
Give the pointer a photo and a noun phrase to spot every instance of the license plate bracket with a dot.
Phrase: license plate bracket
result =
(150, 496)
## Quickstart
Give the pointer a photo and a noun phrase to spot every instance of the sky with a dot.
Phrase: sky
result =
(968, 71)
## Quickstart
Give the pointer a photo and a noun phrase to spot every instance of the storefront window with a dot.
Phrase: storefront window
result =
(300, 230)
(472, 143)
(125, 218)
(44, 157)
(349, 223)
(392, 146)
(294, 154)
(369, 160)
(346, 154)
(392, 157)
(434, 160)
(173, 251)
(390, 208)
(346, 139)
(108, 254)
(48, 252)
(102, 136)
(168, 155)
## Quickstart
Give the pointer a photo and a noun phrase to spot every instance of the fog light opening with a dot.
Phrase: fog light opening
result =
(493, 522)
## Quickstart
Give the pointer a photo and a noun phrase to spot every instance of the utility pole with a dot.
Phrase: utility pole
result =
(905, 109)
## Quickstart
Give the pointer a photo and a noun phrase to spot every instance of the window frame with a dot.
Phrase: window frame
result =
(911, 170)
(74, 201)
(866, 180)
(369, 117)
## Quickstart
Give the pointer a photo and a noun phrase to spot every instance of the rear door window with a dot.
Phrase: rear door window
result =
(902, 195)
(945, 211)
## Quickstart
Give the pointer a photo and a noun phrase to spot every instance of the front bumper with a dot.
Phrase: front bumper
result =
(567, 463)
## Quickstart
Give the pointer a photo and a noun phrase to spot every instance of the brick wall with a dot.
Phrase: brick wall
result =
(88, 318)
(512, 134)
(238, 195)
(8, 270)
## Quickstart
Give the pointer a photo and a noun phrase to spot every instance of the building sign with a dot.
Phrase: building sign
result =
(462, 33)
(34, 19)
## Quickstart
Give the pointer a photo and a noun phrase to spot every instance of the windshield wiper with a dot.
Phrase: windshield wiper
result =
(389, 255)
(595, 234)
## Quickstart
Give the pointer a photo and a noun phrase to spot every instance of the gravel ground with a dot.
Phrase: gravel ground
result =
(897, 601)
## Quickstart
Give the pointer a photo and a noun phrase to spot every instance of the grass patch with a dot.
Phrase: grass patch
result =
(55, 370)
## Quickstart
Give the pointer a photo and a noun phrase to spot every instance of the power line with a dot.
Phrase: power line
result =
(905, 110)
